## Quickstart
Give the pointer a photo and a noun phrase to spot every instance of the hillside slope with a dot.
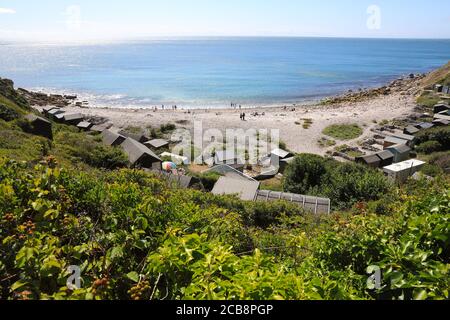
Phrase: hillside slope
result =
(70, 202)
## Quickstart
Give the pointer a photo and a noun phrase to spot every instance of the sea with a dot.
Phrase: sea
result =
(215, 72)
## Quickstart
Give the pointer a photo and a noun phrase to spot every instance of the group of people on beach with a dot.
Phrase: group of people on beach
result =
(235, 105)
(242, 116)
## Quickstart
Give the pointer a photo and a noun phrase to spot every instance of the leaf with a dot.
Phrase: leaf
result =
(116, 252)
(420, 294)
(133, 276)
(18, 285)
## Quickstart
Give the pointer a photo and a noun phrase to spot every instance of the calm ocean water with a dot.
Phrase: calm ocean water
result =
(215, 72)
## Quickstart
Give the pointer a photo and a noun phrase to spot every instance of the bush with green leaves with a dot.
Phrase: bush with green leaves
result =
(440, 135)
(344, 183)
(134, 237)
(8, 114)
(86, 149)
(429, 147)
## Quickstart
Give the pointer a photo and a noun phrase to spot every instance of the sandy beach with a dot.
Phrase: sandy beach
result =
(364, 112)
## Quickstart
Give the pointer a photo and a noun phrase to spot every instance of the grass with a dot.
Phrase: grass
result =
(343, 132)
(325, 142)
(273, 184)
(307, 123)
(428, 99)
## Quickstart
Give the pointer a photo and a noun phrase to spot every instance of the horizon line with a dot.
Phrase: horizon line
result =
(206, 37)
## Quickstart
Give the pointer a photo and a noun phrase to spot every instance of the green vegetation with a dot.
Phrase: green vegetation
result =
(307, 123)
(134, 238)
(167, 128)
(345, 183)
(428, 99)
(325, 142)
(343, 132)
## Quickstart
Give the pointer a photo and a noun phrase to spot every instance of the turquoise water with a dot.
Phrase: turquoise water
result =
(215, 72)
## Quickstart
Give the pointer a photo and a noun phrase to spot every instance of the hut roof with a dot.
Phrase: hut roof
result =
(385, 155)
(424, 125)
(157, 143)
(400, 148)
(314, 204)
(411, 130)
(55, 111)
(395, 140)
(405, 165)
(135, 150)
(111, 138)
(84, 125)
(73, 117)
(33, 118)
(246, 190)
(370, 159)
(282, 154)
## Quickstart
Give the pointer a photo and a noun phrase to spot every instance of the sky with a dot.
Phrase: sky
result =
(95, 20)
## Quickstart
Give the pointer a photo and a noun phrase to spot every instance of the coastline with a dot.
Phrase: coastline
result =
(366, 108)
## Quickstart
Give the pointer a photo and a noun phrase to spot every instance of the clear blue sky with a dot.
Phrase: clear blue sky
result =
(79, 20)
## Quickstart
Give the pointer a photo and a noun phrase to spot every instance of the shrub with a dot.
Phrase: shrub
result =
(209, 179)
(345, 184)
(169, 127)
(304, 173)
(93, 153)
(343, 132)
(429, 147)
(438, 134)
(431, 170)
(7, 114)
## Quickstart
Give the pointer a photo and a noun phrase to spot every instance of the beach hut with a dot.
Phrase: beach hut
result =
(424, 125)
(229, 158)
(157, 143)
(84, 125)
(392, 141)
(139, 137)
(370, 160)
(440, 107)
(100, 127)
(140, 156)
(267, 174)
(400, 172)
(46, 110)
(53, 112)
(59, 117)
(39, 126)
(444, 115)
(441, 122)
(73, 118)
(386, 157)
(409, 138)
(312, 204)
(277, 155)
(245, 190)
(401, 152)
(411, 130)
(112, 139)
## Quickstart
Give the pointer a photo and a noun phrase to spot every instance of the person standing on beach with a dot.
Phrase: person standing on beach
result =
(243, 116)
